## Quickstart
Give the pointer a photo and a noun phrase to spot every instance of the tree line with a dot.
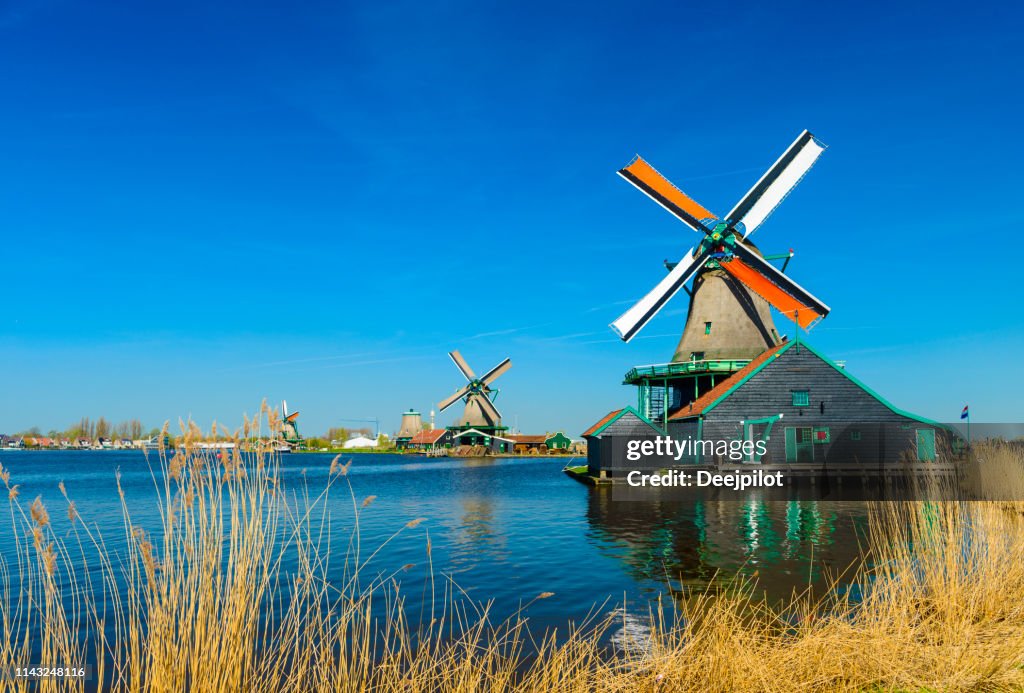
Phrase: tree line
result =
(94, 429)
(342, 433)
(133, 429)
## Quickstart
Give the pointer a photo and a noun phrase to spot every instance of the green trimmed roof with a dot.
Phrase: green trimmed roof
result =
(611, 418)
(719, 394)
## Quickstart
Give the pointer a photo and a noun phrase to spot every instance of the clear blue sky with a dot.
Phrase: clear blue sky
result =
(205, 204)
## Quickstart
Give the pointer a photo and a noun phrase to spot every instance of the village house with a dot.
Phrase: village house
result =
(528, 444)
(427, 440)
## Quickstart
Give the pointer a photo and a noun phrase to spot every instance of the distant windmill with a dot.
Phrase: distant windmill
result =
(290, 425)
(728, 317)
(477, 393)
(412, 423)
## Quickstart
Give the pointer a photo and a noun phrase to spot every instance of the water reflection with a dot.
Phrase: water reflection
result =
(506, 529)
(476, 537)
(787, 545)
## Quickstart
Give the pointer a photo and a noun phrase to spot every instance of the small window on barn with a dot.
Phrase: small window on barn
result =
(801, 398)
(697, 356)
(707, 328)
(821, 435)
(854, 435)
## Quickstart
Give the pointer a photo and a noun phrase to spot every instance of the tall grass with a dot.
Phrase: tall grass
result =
(235, 590)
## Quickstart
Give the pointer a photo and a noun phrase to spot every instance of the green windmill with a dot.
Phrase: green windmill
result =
(480, 423)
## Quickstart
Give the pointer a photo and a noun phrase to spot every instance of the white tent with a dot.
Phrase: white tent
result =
(360, 442)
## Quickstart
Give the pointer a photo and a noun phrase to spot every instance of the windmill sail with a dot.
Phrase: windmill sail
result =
(723, 248)
(476, 393)
(444, 404)
(489, 410)
(761, 277)
(496, 372)
(661, 190)
(634, 319)
(461, 364)
(762, 199)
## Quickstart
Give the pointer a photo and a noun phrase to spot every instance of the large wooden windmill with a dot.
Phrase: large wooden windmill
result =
(480, 414)
(729, 321)
(732, 378)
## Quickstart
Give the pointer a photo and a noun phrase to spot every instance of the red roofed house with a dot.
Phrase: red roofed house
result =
(430, 440)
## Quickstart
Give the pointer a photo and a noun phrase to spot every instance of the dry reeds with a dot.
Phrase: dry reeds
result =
(205, 602)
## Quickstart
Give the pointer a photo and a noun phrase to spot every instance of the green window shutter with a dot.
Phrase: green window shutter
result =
(926, 445)
(790, 444)
(803, 444)
(801, 398)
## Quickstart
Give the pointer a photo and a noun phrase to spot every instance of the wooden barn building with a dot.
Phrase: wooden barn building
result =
(604, 438)
(523, 444)
(803, 407)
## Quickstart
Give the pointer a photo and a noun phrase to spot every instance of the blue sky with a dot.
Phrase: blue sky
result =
(207, 204)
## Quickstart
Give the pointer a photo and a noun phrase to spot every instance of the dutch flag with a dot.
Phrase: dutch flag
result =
(964, 414)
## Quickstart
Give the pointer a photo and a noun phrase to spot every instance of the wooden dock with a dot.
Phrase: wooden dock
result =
(805, 472)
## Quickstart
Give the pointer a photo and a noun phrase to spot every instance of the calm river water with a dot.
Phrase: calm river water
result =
(505, 529)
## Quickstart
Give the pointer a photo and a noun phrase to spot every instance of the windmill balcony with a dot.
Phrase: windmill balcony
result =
(642, 374)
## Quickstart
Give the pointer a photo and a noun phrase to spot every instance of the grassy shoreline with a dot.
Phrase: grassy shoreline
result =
(940, 605)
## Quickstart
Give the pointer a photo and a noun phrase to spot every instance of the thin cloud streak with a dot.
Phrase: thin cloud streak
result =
(368, 362)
